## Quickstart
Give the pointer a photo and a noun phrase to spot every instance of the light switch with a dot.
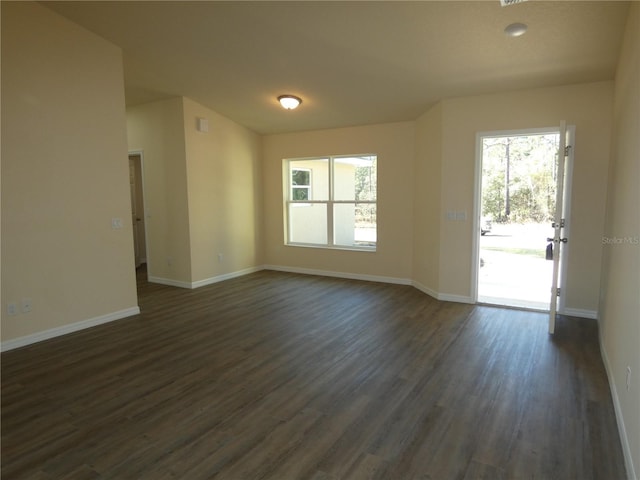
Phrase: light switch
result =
(116, 223)
(27, 305)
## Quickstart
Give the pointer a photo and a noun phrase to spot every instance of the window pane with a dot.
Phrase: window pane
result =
(300, 193)
(313, 174)
(300, 177)
(308, 223)
(354, 225)
(355, 178)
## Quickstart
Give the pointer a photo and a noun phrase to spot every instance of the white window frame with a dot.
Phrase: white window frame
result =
(330, 203)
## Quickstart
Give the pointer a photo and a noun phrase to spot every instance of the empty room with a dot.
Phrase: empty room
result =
(320, 240)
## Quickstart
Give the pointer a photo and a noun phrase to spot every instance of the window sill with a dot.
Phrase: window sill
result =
(333, 247)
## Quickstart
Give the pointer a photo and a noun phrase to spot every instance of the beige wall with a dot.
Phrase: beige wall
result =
(223, 177)
(588, 107)
(157, 130)
(620, 301)
(394, 145)
(64, 174)
(427, 195)
(202, 191)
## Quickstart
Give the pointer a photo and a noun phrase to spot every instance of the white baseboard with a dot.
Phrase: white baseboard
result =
(168, 281)
(351, 276)
(374, 278)
(624, 439)
(70, 328)
(446, 297)
(425, 289)
(577, 312)
(201, 283)
(226, 276)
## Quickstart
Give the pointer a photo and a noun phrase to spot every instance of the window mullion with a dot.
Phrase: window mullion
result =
(330, 205)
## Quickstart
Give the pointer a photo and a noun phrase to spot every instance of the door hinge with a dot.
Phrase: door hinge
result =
(567, 149)
(557, 292)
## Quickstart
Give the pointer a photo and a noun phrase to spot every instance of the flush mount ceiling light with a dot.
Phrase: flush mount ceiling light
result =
(289, 101)
(515, 29)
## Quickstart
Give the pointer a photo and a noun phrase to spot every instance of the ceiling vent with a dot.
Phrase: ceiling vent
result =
(506, 3)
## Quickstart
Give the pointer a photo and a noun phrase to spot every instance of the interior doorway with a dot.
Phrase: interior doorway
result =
(517, 184)
(137, 210)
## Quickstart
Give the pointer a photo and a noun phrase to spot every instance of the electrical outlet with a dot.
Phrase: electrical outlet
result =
(169, 261)
(628, 377)
(27, 305)
(220, 257)
(12, 309)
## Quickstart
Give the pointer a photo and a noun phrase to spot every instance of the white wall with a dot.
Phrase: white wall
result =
(427, 189)
(620, 286)
(65, 176)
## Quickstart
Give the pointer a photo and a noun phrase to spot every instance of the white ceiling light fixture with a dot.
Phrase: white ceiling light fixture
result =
(515, 29)
(289, 102)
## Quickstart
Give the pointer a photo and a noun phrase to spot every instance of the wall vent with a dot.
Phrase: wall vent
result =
(506, 3)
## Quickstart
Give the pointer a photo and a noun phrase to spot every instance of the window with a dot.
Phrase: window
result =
(331, 201)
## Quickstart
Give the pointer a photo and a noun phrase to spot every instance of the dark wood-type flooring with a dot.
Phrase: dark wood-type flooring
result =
(284, 376)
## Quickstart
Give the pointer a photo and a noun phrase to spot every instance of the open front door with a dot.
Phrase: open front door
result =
(560, 224)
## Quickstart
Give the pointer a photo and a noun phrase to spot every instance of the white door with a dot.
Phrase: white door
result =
(561, 222)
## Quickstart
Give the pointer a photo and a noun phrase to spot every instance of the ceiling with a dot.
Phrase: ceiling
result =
(352, 63)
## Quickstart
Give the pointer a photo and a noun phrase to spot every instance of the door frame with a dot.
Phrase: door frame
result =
(140, 154)
(477, 199)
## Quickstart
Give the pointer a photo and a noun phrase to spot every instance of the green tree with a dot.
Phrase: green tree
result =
(518, 178)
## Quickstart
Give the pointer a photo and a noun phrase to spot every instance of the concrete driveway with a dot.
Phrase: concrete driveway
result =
(514, 271)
